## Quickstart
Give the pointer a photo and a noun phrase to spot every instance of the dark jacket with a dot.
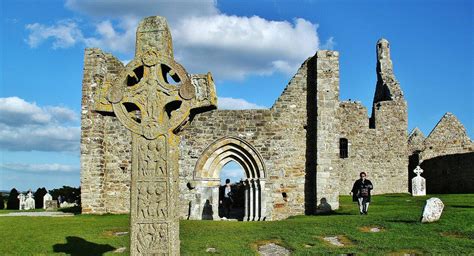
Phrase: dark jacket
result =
(361, 189)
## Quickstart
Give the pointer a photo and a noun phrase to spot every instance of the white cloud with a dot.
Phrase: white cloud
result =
(64, 34)
(17, 112)
(329, 44)
(234, 47)
(61, 113)
(120, 40)
(231, 47)
(40, 138)
(24, 126)
(235, 104)
(53, 167)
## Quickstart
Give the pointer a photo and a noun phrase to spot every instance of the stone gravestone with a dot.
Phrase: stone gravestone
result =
(22, 204)
(51, 205)
(30, 202)
(46, 198)
(432, 210)
(48, 203)
(418, 183)
(153, 97)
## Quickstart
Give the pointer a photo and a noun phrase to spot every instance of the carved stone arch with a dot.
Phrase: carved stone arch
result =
(223, 150)
(227, 149)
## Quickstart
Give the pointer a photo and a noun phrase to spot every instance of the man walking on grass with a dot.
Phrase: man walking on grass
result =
(361, 192)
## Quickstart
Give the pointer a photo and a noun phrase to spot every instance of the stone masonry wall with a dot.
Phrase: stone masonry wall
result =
(380, 152)
(327, 128)
(105, 144)
(278, 134)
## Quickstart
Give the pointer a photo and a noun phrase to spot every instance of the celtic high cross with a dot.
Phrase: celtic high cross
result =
(153, 97)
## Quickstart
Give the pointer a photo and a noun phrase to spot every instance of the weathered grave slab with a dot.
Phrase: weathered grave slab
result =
(273, 249)
(432, 210)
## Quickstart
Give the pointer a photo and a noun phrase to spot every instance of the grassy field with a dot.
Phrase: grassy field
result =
(396, 215)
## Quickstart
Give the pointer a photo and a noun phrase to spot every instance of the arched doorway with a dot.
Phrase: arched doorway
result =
(228, 149)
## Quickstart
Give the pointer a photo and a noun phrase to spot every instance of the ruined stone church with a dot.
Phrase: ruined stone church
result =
(298, 156)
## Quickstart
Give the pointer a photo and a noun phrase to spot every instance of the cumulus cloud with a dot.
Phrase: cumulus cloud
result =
(120, 39)
(234, 47)
(40, 138)
(25, 126)
(236, 104)
(63, 34)
(231, 47)
(61, 114)
(39, 168)
(17, 112)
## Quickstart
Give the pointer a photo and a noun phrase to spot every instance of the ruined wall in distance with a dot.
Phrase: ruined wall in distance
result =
(105, 144)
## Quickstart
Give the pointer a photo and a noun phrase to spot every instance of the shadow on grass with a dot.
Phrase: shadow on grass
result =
(334, 213)
(75, 209)
(404, 221)
(76, 246)
(461, 206)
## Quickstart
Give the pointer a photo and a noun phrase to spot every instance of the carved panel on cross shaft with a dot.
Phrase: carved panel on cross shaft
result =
(152, 238)
(152, 158)
(152, 201)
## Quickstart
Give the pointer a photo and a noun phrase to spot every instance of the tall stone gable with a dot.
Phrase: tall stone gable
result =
(377, 145)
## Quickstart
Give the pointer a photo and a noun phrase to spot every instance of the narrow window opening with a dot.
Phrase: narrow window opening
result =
(343, 148)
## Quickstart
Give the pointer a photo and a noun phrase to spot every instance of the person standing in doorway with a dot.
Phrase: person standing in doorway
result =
(361, 192)
(226, 198)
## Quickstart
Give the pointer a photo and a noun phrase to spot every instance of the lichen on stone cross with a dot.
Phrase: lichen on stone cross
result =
(153, 97)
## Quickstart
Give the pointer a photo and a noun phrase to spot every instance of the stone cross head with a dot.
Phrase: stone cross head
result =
(418, 171)
(154, 94)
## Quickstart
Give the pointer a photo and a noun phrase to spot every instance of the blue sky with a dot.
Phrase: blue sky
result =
(252, 48)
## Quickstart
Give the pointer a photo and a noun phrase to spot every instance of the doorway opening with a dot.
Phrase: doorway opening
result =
(232, 196)
(209, 167)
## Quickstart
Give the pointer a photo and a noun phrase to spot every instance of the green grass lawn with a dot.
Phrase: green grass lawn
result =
(397, 215)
